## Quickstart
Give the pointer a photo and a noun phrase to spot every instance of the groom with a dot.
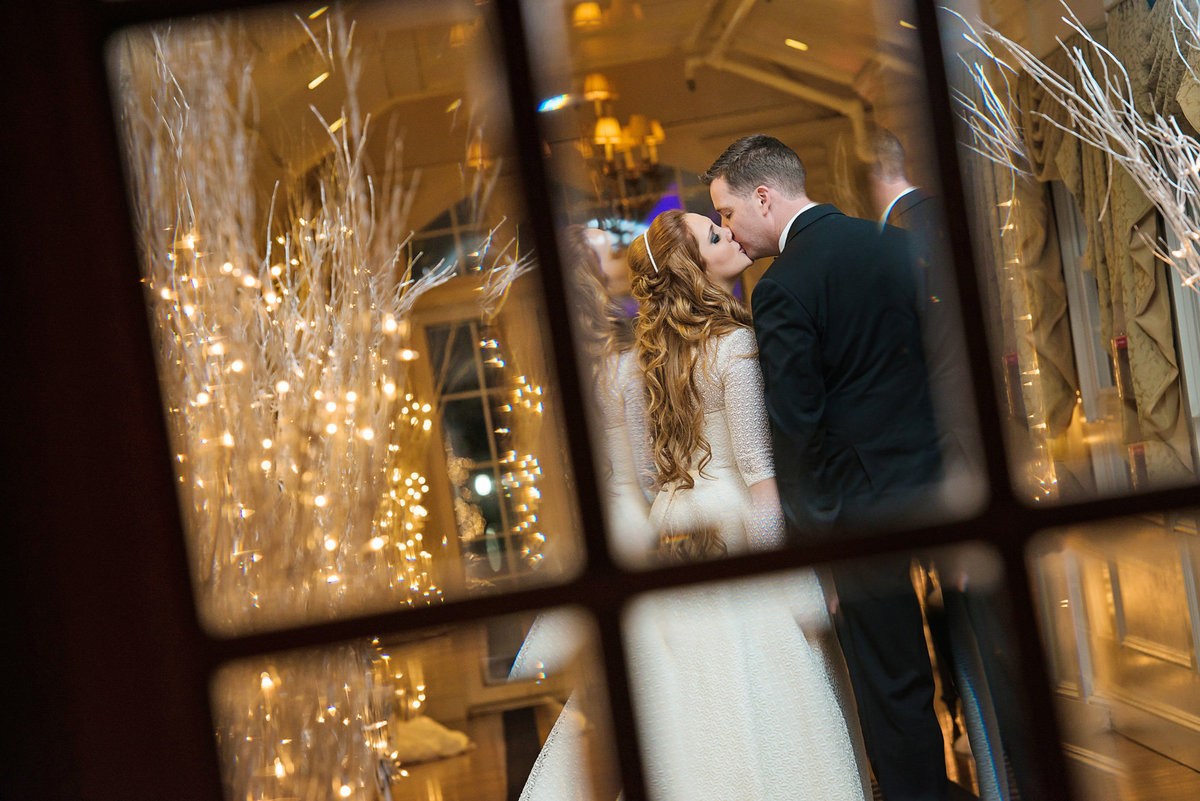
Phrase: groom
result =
(855, 442)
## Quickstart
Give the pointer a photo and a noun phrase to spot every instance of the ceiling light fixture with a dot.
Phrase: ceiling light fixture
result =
(587, 15)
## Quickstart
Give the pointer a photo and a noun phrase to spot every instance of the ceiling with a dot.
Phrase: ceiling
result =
(708, 70)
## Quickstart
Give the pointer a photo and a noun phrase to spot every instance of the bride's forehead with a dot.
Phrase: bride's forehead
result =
(696, 221)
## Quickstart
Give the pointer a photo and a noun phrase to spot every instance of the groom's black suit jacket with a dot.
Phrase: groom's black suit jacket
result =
(839, 341)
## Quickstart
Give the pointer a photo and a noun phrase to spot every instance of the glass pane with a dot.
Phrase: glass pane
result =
(454, 364)
(449, 713)
(1085, 254)
(282, 173)
(466, 429)
(432, 253)
(866, 377)
(1119, 613)
(755, 683)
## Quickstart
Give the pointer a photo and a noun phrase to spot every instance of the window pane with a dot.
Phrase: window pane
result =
(884, 388)
(449, 713)
(284, 176)
(466, 429)
(755, 684)
(452, 356)
(1119, 615)
(1085, 259)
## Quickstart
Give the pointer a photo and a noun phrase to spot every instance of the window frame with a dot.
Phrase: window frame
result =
(115, 664)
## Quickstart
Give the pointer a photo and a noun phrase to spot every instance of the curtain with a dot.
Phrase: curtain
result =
(1134, 287)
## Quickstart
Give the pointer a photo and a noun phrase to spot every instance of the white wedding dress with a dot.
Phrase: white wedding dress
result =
(561, 772)
(733, 700)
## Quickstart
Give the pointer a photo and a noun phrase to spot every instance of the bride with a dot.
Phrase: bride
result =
(560, 772)
(732, 699)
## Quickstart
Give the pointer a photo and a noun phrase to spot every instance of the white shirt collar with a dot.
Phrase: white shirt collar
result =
(888, 210)
(788, 227)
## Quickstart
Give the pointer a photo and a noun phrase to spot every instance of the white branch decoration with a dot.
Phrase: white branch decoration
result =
(1163, 160)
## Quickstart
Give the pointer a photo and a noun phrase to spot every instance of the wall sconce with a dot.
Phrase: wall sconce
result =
(478, 155)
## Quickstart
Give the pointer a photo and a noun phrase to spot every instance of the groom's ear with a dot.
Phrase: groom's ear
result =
(762, 196)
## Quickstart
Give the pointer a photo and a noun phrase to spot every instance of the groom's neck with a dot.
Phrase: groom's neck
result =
(787, 208)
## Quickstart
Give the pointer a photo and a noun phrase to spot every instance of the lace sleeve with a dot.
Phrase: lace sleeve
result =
(745, 409)
(637, 424)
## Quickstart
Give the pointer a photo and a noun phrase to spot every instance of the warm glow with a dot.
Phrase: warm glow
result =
(906, 24)
(282, 386)
(336, 124)
(367, 434)
(377, 543)
(587, 15)
(331, 428)
(320, 501)
(317, 81)
(237, 365)
(795, 44)
(265, 681)
(608, 131)
(331, 544)
(345, 791)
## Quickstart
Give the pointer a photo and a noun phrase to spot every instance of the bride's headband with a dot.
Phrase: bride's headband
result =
(646, 239)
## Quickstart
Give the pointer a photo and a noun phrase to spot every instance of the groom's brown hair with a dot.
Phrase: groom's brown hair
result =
(758, 160)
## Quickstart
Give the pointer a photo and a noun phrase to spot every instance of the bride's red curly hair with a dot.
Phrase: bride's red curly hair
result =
(681, 310)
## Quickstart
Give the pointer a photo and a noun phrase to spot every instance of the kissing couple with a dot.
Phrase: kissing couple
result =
(807, 415)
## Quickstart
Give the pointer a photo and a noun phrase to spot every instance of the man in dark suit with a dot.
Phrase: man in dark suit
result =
(901, 204)
(855, 442)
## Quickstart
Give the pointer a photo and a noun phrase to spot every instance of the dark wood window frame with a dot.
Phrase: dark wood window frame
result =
(113, 668)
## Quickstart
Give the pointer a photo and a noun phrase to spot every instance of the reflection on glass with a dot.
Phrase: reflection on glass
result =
(447, 713)
(466, 429)
(1119, 614)
(300, 275)
(1076, 197)
(747, 686)
(623, 152)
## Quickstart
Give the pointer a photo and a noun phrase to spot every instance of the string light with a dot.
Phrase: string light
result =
(265, 360)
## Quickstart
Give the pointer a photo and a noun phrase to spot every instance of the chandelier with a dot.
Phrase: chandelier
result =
(622, 158)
